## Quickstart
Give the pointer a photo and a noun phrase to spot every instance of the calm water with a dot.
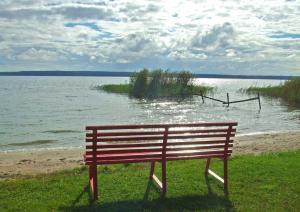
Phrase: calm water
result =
(52, 112)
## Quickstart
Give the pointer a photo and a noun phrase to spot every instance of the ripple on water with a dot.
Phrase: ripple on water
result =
(31, 143)
(62, 131)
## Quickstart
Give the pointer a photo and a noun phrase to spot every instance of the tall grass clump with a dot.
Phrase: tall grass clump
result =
(160, 83)
(157, 84)
(289, 91)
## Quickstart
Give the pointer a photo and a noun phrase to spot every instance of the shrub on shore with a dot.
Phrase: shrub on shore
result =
(158, 83)
(288, 91)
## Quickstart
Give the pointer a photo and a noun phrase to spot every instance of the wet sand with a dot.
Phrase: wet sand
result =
(14, 164)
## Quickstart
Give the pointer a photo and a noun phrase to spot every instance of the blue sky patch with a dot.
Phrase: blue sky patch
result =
(285, 35)
(90, 25)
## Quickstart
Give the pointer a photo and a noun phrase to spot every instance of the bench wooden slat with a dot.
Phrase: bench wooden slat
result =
(125, 156)
(203, 124)
(158, 159)
(143, 138)
(124, 151)
(134, 155)
(177, 143)
(156, 144)
(148, 138)
(199, 136)
(198, 147)
(196, 157)
(192, 153)
(126, 145)
(136, 150)
(138, 160)
(106, 134)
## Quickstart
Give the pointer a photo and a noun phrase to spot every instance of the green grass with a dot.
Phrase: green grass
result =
(114, 88)
(289, 91)
(268, 182)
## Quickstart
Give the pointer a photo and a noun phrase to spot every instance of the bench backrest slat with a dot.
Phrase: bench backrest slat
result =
(162, 126)
(134, 133)
(149, 138)
(152, 144)
(144, 138)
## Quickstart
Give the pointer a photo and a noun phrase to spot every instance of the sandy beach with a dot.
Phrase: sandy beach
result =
(46, 161)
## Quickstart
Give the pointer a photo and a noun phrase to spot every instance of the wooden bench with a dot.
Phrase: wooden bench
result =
(158, 143)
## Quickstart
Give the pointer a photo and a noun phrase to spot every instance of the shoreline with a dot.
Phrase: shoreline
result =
(41, 161)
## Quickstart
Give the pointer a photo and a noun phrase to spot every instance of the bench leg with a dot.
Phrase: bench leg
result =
(225, 174)
(207, 166)
(93, 181)
(152, 170)
(164, 178)
(162, 185)
(225, 177)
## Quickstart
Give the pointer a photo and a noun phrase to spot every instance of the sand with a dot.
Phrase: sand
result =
(13, 164)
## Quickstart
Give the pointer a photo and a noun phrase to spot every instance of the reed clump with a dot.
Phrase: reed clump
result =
(158, 83)
(289, 91)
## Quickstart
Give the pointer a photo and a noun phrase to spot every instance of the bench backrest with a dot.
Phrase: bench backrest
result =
(142, 143)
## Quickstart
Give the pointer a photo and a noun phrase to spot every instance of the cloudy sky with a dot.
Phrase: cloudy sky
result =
(229, 37)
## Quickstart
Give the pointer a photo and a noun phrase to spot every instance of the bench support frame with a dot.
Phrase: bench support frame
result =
(93, 181)
(225, 180)
(161, 185)
(225, 165)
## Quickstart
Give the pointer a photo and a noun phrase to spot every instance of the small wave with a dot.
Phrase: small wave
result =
(70, 96)
(30, 143)
(42, 149)
(61, 131)
(265, 132)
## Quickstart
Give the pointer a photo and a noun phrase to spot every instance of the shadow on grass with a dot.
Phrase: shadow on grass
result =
(209, 201)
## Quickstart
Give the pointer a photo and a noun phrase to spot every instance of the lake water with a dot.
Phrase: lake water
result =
(52, 112)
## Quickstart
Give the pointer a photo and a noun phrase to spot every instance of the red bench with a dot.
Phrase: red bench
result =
(158, 143)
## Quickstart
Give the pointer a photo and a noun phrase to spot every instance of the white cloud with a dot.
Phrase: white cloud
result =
(197, 35)
(33, 54)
